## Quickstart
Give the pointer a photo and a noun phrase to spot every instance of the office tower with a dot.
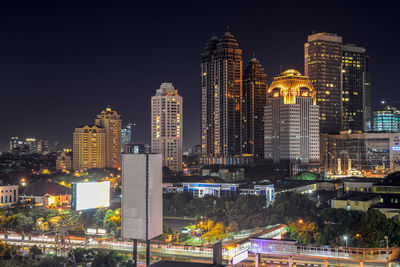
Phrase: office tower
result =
(221, 100)
(126, 137)
(31, 143)
(386, 119)
(254, 100)
(110, 121)
(356, 89)
(126, 134)
(322, 64)
(361, 154)
(14, 143)
(42, 145)
(291, 120)
(166, 126)
(89, 147)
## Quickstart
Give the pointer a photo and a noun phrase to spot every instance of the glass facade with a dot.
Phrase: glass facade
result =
(386, 120)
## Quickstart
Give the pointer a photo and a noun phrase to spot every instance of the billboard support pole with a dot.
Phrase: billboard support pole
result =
(134, 252)
(147, 213)
(148, 253)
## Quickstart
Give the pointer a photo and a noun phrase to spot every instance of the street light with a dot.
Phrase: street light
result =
(345, 239)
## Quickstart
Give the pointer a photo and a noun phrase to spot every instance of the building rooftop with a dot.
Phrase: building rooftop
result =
(361, 179)
(46, 186)
(358, 197)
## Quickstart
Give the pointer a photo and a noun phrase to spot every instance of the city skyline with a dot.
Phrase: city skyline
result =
(48, 59)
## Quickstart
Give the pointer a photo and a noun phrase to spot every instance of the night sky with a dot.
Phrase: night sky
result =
(62, 62)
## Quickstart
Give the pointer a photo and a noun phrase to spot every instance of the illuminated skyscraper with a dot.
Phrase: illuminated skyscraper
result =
(126, 137)
(386, 119)
(126, 134)
(341, 78)
(356, 89)
(111, 122)
(291, 122)
(31, 143)
(166, 126)
(42, 145)
(221, 100)
(89, 147)
(254, 100)
(14, 143)
(322, 63)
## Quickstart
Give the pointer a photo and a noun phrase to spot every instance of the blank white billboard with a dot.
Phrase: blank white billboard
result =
(90, 195)
(141, 195)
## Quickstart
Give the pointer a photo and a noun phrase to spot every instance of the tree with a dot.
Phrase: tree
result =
(104, 259)
(112, 220)
(216, 232)
(41, 225)
(376, 226)
(304, 231)
(35, 251)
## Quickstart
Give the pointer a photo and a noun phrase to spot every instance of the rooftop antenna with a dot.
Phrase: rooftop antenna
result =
(254, 54)
(281, 68)
(227, 28)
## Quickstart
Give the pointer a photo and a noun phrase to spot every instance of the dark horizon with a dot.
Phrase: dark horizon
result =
(64, 62)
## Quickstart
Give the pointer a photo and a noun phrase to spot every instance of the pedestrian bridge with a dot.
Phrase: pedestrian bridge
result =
(289, 249)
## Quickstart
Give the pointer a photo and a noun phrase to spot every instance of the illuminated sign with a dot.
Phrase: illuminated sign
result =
(90, 195)
(91, 231)
(396, 148)
(240, 257)
(101, 231)
(396, 140)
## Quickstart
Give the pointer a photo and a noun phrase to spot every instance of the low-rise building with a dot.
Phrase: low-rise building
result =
(213, 189)
(361, 202)
(229, 175)
(47, 193)
(358, 184)
(64, 161)
(202, 189)
(260, 190)
(8, 194)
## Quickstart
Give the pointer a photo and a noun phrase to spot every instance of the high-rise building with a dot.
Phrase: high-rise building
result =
(42, 145)
(386, 119)
(221, 100)
(322, 64)
(89, 147)
(291, 120)
(126, 137)
(126, 134)
(166, 126)
(31, 143)
(356, 89)
(341, 78)
(110, 121)
(363, 154)
(14, 143)
(254, 100)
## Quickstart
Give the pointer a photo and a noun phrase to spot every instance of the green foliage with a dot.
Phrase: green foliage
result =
(19, 222)
(376, 226)
(35, 251)
(107, 259)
